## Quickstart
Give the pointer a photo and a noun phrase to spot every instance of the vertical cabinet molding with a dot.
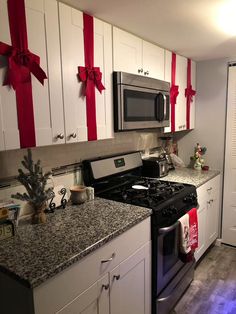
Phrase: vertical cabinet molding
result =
(181, 81)
(134, 55)
(208, 214)
(43, 40)
(72, 54)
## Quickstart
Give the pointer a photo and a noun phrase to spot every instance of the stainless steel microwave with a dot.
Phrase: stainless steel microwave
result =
(140, 102)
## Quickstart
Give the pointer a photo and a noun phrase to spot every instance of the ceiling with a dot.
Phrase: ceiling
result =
(198, 29)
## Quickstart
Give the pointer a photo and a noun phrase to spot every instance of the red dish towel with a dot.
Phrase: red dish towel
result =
(193, 229)
(188, 235)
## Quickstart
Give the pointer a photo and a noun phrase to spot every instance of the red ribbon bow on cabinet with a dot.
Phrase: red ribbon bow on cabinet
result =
(189, 93)
(91, 74)
(174, 92)
(21, 63)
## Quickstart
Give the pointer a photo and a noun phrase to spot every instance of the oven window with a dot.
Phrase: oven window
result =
(139, 106)
(170, 250)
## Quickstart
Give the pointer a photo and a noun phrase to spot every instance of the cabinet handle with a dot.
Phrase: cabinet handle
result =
(116, 277)
(109, 259)
(209, 202)
(60, 136)
(106, 287)
(140, 70)
(146, 73)
(184, 126)
(73, 135)
(208, 190)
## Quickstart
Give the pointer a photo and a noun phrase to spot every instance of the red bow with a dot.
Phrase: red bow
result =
(21, 63)
(189, 93)
(174, 92)
(93, 74)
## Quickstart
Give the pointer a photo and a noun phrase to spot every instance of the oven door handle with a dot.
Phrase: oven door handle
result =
(168, 229)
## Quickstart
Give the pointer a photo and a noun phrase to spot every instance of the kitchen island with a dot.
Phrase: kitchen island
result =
(65, 247)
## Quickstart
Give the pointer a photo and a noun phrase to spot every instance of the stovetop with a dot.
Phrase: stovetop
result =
(168, 200)
(119, 178)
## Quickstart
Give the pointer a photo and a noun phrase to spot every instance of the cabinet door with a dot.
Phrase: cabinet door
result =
(103, 59)
(130, 284)
(192, 105)
(95, 300)
(213, 206)
(72, 51)
(72, 55)
(181, 81)
(153, 60)
(127, 52)
(9, 138)
(43, 40)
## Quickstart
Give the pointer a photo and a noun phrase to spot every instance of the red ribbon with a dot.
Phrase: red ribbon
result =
(174, 91)
(189, 93)
(21, 63)
(91, 76)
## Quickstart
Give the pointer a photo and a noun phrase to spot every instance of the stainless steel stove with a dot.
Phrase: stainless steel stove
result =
(119, 178)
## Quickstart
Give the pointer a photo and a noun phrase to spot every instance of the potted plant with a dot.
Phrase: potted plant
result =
(34, 181)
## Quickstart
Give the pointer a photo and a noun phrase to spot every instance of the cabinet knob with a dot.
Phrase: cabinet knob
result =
(60, 136)
(109, 259)
(106, 287)
(208, 190)
(116, 277)
(73, 135)
(146, 73)
(140, 70)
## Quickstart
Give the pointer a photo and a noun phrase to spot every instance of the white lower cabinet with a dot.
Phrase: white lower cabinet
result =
(208, 214)
(115, 279)
(93, 300)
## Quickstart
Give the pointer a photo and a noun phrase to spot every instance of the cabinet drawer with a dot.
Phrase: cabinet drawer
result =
(210, 189)
(52, 295)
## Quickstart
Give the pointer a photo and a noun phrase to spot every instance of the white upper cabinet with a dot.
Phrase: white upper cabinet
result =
(153, 60)
(181, 81)
(43, 40)
(134, 55)
(72, 53)
(192, 104)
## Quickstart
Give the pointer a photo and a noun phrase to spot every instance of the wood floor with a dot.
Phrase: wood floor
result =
(213, 290)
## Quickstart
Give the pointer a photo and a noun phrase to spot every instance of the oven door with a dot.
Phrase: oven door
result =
(143, 108)
(167, 255)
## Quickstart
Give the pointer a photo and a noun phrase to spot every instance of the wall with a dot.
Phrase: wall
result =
(210, 114)
(59, 155)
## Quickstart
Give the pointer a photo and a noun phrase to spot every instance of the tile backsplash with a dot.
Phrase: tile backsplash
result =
(61, 155)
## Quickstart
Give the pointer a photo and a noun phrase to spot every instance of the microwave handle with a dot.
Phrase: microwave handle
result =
(165, 106)
(160, 107)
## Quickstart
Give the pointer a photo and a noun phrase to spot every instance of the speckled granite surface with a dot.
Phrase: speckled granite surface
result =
(190, 176)
(39, 252)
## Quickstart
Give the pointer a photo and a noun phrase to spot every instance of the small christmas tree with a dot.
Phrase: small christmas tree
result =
(34, 182)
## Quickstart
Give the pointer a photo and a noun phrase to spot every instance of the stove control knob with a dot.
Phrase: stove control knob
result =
(173, 210)
(169, 212)
(191, 198)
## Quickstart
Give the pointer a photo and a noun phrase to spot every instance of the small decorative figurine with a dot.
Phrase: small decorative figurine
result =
(197, 158)
(35, 183)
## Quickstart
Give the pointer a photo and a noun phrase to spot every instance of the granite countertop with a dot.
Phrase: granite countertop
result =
(190, 176)
(38, 252)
